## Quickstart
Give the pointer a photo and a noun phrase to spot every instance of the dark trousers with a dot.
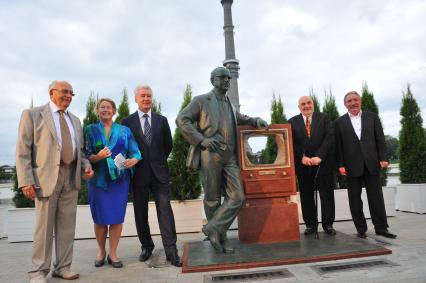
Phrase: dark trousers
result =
(166, 220)
(375, 199)
(307, 187)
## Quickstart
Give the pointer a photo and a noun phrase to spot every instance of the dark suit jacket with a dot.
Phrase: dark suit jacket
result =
(320, 144)
(155, 156)
(354, 153)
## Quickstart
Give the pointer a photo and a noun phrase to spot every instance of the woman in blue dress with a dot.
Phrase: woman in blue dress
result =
(105, 144)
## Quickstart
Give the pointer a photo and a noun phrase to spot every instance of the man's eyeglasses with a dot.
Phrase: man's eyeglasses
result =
(65, 91)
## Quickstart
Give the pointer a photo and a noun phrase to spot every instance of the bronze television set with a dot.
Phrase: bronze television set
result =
(269, 180)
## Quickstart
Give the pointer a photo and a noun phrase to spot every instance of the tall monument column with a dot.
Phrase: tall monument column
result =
(230, 62)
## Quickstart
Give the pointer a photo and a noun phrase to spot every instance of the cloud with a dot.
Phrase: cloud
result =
(283, 47)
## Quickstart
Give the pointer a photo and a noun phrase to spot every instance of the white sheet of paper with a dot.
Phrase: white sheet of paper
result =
(119, 161)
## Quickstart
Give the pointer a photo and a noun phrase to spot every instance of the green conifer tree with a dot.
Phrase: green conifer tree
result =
(330, 108)
(156, 106)
(277, 117)
(369, 104)
(185, 182)
(123, 109)
(317, 106)
(412, 142)
(90, 118)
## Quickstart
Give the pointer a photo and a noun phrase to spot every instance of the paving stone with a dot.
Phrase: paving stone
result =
(409, 251)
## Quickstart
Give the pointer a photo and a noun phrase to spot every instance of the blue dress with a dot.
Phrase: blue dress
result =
(109, 187)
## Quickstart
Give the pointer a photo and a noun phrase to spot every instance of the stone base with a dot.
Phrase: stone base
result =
(271, 220)
(201, 257)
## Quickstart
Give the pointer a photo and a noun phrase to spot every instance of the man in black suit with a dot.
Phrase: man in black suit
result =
(152, 133)
(361, 147)
(313, 139)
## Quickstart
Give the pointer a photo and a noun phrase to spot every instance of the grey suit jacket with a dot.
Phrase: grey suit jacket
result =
(38, 153)
(200, 120)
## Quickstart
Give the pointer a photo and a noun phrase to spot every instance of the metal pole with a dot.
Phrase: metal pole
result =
(230, 62)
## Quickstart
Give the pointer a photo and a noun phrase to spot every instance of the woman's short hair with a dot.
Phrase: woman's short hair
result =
(107, 100)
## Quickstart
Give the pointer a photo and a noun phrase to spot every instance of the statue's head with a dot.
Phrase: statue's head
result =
(220, 78)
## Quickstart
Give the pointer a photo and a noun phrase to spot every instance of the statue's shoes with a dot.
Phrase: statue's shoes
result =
(227, 247)
(214, 239)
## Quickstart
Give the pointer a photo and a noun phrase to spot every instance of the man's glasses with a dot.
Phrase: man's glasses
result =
(65, 91)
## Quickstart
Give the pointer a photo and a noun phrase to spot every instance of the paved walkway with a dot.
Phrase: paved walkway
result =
(409, 255)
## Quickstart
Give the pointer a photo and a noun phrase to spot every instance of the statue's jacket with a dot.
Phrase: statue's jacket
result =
(200, 120)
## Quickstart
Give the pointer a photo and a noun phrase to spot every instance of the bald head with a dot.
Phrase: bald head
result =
(306, 105)
(61, 94)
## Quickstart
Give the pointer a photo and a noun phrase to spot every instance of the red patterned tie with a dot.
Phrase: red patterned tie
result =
(308, 127)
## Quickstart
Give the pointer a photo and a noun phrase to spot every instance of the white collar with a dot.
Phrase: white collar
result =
(55, 108)
(310, 117)
(141, 113)
(355, 116)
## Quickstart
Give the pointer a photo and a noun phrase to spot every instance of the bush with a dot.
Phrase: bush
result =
(185, 182)
(412, 142)
(19, 199)
(369, 104)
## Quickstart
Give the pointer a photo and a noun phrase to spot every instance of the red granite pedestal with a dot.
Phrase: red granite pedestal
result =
(270, 220)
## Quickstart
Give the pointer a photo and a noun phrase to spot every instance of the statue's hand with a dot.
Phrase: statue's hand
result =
(210, 144)
(260, 123)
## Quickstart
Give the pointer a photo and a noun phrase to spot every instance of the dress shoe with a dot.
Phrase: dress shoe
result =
(214, 239)
(66, 274)
(115, 264)
(310, 231)
(227, 247)
(330, 231)
(99, 263)
(38, 279)
(362, 235)
(145, 254)
(174, 259)
(386, 234)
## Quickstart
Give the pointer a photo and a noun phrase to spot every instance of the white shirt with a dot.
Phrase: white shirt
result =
(142, 119)
(310, 118)
(55, 114)
(356, 123)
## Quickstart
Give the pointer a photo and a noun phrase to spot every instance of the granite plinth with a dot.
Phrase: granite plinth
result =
(262, 221)
(200, 256)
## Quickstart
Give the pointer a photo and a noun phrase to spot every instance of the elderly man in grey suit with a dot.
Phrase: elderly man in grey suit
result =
(213, 142)
(49, 166)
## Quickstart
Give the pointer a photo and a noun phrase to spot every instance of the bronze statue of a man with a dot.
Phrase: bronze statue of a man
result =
(209, 124)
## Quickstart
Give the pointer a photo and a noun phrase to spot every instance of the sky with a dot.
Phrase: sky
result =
(284, 47)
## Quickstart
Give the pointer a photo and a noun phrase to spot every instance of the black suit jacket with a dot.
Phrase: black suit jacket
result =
(154, 157)
(353, 153)
(320, 144)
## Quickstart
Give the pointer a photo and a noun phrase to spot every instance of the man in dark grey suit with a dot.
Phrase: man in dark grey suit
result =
(213, 149)
(313, 141)
(361, 148)
(152, 133)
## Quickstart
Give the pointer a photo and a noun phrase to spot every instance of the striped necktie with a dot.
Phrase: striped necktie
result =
(67, 151)
(147, 129)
